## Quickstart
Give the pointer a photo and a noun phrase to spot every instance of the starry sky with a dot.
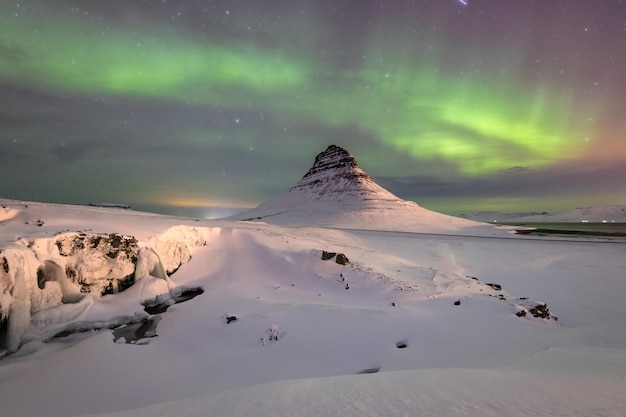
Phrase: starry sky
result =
(201, 108)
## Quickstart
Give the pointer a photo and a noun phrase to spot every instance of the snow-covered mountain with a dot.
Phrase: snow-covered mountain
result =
(496, 216)
(595, 214)
(336, 192)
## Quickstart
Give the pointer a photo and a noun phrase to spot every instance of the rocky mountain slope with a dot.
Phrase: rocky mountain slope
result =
(336, 192)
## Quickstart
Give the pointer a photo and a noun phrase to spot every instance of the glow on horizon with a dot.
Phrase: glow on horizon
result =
(199, 202)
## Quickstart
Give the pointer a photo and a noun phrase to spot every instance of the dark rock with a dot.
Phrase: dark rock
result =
(402, 345)
(341, 259)
(457, 303)
(230, 319)
(41, 278)
(369, 371)
(335, 161)
(156, 308)
(328, 255)
(496, 287)
(177, 295)
(541, 311)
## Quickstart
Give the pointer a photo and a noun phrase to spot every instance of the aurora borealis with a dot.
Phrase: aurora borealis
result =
(490, 105)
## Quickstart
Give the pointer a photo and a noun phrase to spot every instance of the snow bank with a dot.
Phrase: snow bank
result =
(176, 245)
(7, 213)
(506, 392)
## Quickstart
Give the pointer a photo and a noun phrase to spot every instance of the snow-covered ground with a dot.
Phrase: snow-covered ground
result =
(408, 327)
(335, 297)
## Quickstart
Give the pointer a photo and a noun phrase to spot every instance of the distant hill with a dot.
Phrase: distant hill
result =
(496, 216)
(597, 214)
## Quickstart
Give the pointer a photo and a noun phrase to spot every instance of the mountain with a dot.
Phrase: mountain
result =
(599, 214)
(336, 192)
(496, 216)
(596, 214)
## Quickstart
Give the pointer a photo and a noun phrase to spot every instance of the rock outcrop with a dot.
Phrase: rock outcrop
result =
(50, 281)
(336, 172)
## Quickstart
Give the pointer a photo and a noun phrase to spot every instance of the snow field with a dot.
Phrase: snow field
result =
(475, 358)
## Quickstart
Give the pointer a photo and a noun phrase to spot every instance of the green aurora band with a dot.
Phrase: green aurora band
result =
(409, 101)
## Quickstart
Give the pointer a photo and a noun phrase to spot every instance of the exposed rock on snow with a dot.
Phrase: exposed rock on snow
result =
(108, 205)
(340, 258)
(162, 302)
(271, 335)
(523, 306)
(369, 371)
(535, 309)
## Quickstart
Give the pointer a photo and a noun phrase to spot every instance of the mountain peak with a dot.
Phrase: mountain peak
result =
(335, 171)
(333, 157)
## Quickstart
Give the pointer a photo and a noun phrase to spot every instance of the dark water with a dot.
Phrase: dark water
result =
(574, 228)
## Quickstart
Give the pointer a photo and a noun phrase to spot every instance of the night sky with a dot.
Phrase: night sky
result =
(199, 107)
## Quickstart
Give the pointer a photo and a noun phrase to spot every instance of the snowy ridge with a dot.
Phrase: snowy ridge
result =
(336, 192)
(496, 216)
(595, 214)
